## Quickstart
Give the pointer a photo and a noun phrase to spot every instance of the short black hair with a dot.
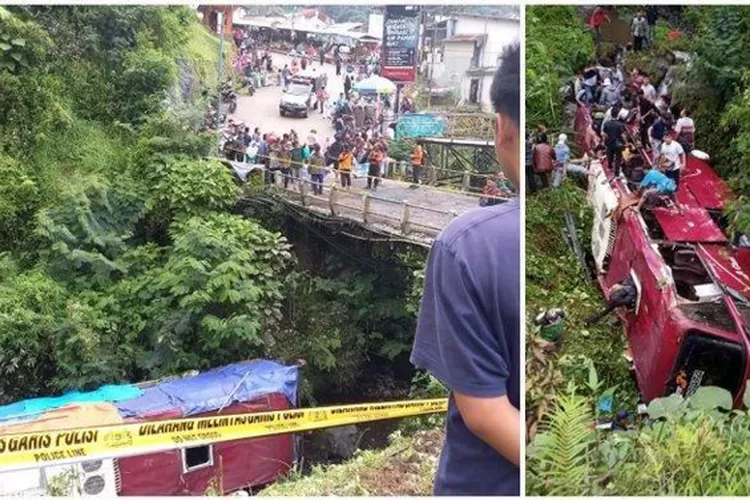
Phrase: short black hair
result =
(506, 85)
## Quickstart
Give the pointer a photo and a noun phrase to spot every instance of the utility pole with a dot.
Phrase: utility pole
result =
(220, 31)
(432, 61)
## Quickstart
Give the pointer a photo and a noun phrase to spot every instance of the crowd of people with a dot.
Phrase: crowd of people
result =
(345, 154)
(363, 126)
(617, 115)
(255, 62)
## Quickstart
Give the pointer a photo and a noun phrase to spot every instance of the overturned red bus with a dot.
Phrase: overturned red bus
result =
(225, 467)
(691, 321)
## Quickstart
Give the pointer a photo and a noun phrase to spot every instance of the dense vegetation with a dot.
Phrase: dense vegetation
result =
(554, 278)
(684, 447)
(693, 448)
(557, 44)
(122, 256)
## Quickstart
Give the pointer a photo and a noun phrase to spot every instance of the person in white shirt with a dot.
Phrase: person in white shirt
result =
(609, 94)
(390, 133)
(673, 151)
(649, 92)
(684, 131)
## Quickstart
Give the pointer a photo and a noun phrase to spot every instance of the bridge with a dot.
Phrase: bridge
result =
(397, 208)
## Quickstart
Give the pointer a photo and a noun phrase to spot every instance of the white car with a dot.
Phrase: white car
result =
(296, 100)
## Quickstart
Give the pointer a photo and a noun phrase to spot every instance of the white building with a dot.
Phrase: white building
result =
(375, 25)
(466, 52)
(308, 22)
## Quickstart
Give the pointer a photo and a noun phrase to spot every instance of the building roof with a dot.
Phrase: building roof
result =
(496, 17)
(467, 38)
(289, 23)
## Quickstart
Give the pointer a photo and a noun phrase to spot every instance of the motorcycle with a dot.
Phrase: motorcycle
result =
(229, 96)
(231, 99)
(249, 83)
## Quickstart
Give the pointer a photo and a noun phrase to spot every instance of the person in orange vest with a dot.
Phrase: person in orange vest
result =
(346, 158)
(417, 160)
(373, 173)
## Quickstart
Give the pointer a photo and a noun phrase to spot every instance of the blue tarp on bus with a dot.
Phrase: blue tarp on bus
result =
(201, 393)
(215, 389)
(33, 407)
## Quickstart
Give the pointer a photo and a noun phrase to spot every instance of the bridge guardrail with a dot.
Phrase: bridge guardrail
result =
(408, 219)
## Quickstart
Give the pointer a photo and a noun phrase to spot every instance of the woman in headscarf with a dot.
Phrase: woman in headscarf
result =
(562, 157)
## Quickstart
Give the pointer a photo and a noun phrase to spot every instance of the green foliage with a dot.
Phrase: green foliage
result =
(92, 164)
(688, 447)
(180, 186)
(21, 44)
(203, 51)
(400, 150)
(19, 199)
(554, 279)
(217, 296)
(405, 468)
(661, 32)
(83, 235)
(49, 340)
(321, 326)
(558, 460)
(415, 261)
(557, 45)
(147, 75)
(342, 322)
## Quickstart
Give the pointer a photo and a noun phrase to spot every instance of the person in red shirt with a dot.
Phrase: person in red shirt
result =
(598, 17)
(543, 159)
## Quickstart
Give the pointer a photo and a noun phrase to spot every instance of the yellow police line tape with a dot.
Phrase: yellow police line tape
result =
(35, 449)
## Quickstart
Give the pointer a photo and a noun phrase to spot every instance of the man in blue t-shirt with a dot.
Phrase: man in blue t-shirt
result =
(468, 334)
(656, 183)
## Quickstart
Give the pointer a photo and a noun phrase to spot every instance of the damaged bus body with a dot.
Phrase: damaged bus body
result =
(224, 467)
(691, 321)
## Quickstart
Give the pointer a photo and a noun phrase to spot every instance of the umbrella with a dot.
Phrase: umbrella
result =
(375, 85)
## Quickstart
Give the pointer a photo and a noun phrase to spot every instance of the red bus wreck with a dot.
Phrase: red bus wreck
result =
(690, 325)
(246, 387)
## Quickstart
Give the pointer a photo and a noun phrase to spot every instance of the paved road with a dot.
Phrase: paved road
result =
(262, 109)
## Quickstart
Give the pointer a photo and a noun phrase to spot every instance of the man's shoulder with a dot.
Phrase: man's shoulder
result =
(498, 225)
